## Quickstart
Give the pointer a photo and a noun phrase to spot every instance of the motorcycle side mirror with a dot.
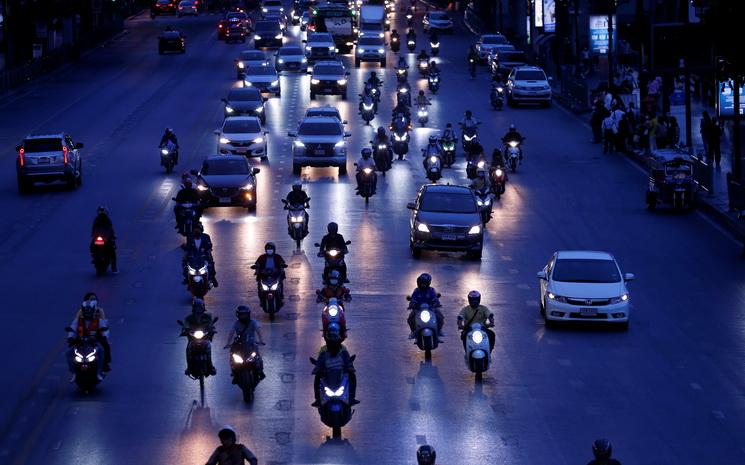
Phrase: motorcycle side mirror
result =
(284, 201)
(542, 275)
(351, 359)
(255, 170)
(223, 100)
(312, 360)
(253, 267)
(410, 205)
(344, 122)
(347, 134)
(408, 298)
(439, 295)
(348, 242)
(180, 323)
(69, 329)
(79, 145)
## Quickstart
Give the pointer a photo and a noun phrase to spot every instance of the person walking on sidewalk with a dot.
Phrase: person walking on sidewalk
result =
(609, 134)
(715, 141)
(705, 130)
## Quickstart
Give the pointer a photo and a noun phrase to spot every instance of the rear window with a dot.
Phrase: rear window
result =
(439, 16)
(261, 71)
(272, 3)
(241, 126)
(267, 26)
(579, 270)
(530, 76)
(236, 15)
(42, 145)
(324, 112)
(225, 166)
(319, 129)
(320, 38)
(447, 202)
(253, 55)
(244, 95)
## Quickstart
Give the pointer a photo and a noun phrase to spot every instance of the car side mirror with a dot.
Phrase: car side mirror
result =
(78, 145)
(344, 122)
(408, 298)
(256, 170)
(628, 277)
(216, 132)
(542, 275)
(18, 148)
(410, 205)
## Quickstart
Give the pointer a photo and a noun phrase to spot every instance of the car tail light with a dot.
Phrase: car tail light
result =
(65, 155)
(99, 240)
(21, 157)
(219, 26)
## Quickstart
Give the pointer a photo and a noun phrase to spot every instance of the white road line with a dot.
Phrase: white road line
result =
(695, 386)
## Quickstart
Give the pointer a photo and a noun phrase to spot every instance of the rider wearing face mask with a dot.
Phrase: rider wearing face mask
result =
(332, 357)
(472, 313)
(88, 321)
(199, 318)
(247, 332)
(366, 161)
(334, 289)
(270, 263)
(200, 243)
(424, 294)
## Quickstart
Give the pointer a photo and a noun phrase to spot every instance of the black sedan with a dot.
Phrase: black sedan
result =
(245, 101)
(267, 34)
(171, 41)
(227, 181)
(445, 218)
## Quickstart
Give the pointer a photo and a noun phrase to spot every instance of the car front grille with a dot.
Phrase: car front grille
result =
(320, 150)
(244, 143)
(598, 316)
(448, 229)
(225, 191)
(589, 302)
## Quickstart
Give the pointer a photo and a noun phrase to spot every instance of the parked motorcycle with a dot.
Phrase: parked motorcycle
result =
(197, 275)
(245, 362)
(334, 260)
(297, 222)
(87, 360)
(478, 352)
(168, 156)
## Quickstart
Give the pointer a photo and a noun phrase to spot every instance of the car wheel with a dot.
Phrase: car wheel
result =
(415, 252)
(296, 169)
(383, 63)
(71, 182)
(344, 95)
(475, 255)
(549, 324)
(623, 326)
(342, 169)
(278, 93)
(542, 307)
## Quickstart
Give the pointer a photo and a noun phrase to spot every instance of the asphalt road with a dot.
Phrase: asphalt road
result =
(670, 390)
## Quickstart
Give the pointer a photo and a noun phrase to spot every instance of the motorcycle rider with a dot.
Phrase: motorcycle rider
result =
(334, 356)
(374, 80)
(394, 35)
(468, 121)
(102, 226)
(433, 149)
(480, 183)
(334, 289)
(472, 313)
(512, 135)
(424, 294)
(297, 196)
(88, 319)
(247, 332)
(270, 262)
(333, 240)
(449, 132)
(381, 137)
(497, 159)
(230, 452)
(366, 161)
(403, 110)
(472, 55)
(433, 38)
(202, 319)
(423, 56)
(169, 136)
(410, 35)
(402, 64)
(187, 194)
(433, 68)
(200, 243)
(602, 450)
(426, 455)
(422, 100)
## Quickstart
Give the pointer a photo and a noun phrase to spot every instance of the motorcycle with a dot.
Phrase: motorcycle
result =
(168, 156)
(514, 154)
(423, 66)
(199, 352)
(400, 140)
(498, 179)
(334, 260)
(332, 315)
(426, 335)
(87, 361)
(434, 48)
(402, 75)
(483, 201)
(497, 97)
(395, 44)
(100, 253)
(448, 152)
(366, 185)
(271, 291)
(335, 408)
(297, 222)
(409, 19)
(189, 218)
(434, 82)
(468, 136)
(423, 115)
(472, 67)
(411, 44)
(403, 95)
(474, 164)
(244, 368)
(382, 156)
(197, 272)
(367, 109)
(432, 166)
(478, 351)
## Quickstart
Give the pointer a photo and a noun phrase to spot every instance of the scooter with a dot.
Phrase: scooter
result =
(297, 222)
(402, 75)
(383, 157)
(432, 166)
(335, 408)
(474, 164)
(425, 331)
(423, 115)
(168, 156)
(332, 315)
(472, 67)
(401, 141)
(478, 352)
(197, 272)
(87, 361)
(100, 253)
(395, 44)
(244, 368)
(423, 66)
(483, 201)
(411, 44)
(366, 185)
(403, 94)
(497, 97)
(189, 218)
(334, 260)
(367, 109)
(434, 82)
(434, 48)
(448, 152)
(514, 154)
(199, 352)
(271, 291)
(498, 179)
(469, 135)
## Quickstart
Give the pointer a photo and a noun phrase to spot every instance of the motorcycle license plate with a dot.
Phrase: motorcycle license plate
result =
(320, 152)
(224, 199)
(449, 237)
(588, 311)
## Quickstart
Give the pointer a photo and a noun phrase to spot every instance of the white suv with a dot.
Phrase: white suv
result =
(528, 84)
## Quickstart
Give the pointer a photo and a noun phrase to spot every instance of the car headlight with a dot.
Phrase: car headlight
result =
(248, 186)
(278, 36)
(237, 359)
(341, 82)
(224, 140)
(360, 50)
(555, 297)
(257, 37)
(475, 229)
(380, 50)
(280, 61)
(299, 144)
(339, 144)
(304, 60)
(258, 140)
(425, 316)
(477, 337)
(229, 109)
(264, 10)
(241, 65)
(421, 227)
(202, 187)
(619, 299)
(274, 83)
(315, 81)
(247, 83)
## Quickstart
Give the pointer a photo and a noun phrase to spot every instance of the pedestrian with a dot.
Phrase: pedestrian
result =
(715, 140)
(704, 130)
(609, 134)
(650, 128)
(617, 114)
(596, 120)
(230, 452)
(662, 132)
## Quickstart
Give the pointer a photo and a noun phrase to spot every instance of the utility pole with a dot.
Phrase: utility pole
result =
(736, 149)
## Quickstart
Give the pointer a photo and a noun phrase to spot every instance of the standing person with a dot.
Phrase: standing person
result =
(715, 140)
(596, 121)
(609, 134)
(230, 452)
(705, 130)
(651, 127)
(602, 451)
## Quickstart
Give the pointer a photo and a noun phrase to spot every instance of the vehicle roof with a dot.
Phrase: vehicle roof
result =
(446, 188)
(291, 47)
(171, 34)
(529, 68)
(45, 136)
(322, 108)
(267, 23)
(253, 53)
(319, 35)
(243, 90)
(320, 119)
(493, 35)
(583, 255)
(261, 71)
(329, 63)
(226, 157)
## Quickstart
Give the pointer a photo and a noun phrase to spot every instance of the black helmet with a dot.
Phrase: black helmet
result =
(381, 131)
(187, 182)
(297, 186)
(468, 113)
(270, 245)
(426, 455)
(432, 64)
(197, 305)
(373, 74)
(432, 139)
(449, 125)
(512, 127)
(421, 92)
(101, 210)
(474, 298)
(424, 280)
(601, 448)
(90, 295)
(243, 311)
(227, 433)
(366, 152)
(335, 275)
(198, 227)
(333, 228)
(394, 32)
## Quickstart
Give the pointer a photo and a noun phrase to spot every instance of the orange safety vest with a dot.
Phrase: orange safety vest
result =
(92, 327)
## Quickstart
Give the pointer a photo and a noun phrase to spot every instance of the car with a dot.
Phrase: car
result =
(186, 8)
(580, 285)
(249, 58)
(319, 141)
(278, 18)
(245, 101)
(163, 7)
(264, 78)
(226, 181)
(304, 20)
(371, 30)
(369, 48)
(233, 17)
(298, 8)
(48, 158)
(171, 41)
(437, 21)
(267, 34)
(272, 6)
(502, 61)
(445, 217)
(488, 43)
(325, 111)
(528, 84)
(320, 46)
(290, 58)
(242, 135)
(328, 78)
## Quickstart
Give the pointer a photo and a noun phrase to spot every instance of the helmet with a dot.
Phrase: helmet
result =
(424, 280)
(188, 182)
(474, 298)
(601, 448)
(449, 125)
(381, 131)
(421, 92)
(90, 296)
(197, 305)
(366, 152)
(333, 228)
(432, 139)
(101, 210)
(426, 455)
(243, 311)
(432, 64)
(334, 277)
(512, 127)
(270, 245)
(296, 186)
(394, 32)
(227, 434)
(373, 74)
(468, 113)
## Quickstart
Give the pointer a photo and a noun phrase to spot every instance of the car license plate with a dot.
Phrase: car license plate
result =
(43, 160)
(241, 149)
(224, 199)
(328, 89)
(588, 311)
(320, 152)
(449, 237)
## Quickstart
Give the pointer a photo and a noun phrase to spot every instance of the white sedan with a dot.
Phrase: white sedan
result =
(584, 286)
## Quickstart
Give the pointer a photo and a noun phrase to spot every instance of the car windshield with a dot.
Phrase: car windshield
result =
(334, 70)
(494, 40)
(580, 270)
(319, 129)
(163, 2)
(232, 126)
(217, 167)
(439, 16)
(245, 94)
(272, 3)
(530, 76)
(284, 51)
(370, 41)
(252, 55)
(329, 113)
(447, 202)
(267, 26)
(42, 145)
(261, 71)
(185, 3)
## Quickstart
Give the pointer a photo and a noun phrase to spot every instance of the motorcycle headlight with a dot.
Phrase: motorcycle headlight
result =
(78, 356)
(382, 147)
(555, 297)
(367, 106)
(475, 229)
(315, 81)
(237, 359)
(241, 65)
(264, 10)
(619, 299)
(499, 172)
(339, 144)
(192, 271)
(296, 219)
(278, 36)
(304, 60)
(468, 138)
(202, 187)
(333, 253)
(477, 337)
(433, 159)
(91, 357)
(480, 164)
(229, 109)
(479, 203)
(500, 89)
(258, 140)
(247, 83)
(421, 227)
(333, 310)
(367, 170)
(257, 37)
(198, 334)
(164, 151)
(264, 287)
(422, 112)
(341, 82)
(203, 270)
(275, 83)
(299, 144)
(274, 286)
(224, 140)
(425, 316)
(513, 144)
(331, 393)
(403, 90)
(259, 110)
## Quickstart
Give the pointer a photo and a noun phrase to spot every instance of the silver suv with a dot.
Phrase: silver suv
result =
(528, 84)
(48, 158)
(319, 141)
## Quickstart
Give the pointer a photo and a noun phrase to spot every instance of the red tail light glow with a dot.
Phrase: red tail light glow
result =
(21, 157)
(99, 240)
(65, 155)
